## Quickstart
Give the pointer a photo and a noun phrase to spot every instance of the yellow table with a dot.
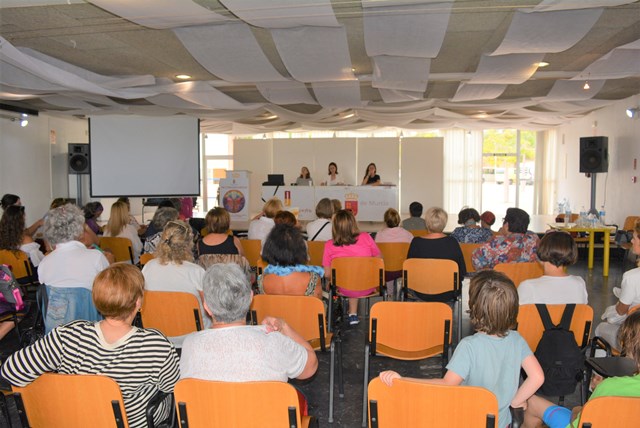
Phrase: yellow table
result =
(591, 231)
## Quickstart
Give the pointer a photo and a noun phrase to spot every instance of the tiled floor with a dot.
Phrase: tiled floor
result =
(348, 410)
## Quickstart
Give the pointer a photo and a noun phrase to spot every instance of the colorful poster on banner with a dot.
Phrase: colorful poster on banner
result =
(234, 195)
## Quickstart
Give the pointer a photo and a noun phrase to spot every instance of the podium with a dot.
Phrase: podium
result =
(234, 194)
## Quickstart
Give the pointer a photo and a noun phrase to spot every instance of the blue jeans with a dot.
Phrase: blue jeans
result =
(69, 304)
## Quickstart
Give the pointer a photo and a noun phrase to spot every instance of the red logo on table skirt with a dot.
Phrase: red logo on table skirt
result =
(351, 203)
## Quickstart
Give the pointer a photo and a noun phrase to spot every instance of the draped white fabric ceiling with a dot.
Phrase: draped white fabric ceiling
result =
(259, 66)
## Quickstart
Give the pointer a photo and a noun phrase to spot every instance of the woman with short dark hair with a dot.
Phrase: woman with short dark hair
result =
(469, 232)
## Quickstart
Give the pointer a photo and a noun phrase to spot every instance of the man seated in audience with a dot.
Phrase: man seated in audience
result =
(235, 352)
(513, 244)
(415, 222)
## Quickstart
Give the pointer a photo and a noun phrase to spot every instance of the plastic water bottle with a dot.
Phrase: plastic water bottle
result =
(583, 217)
(602, 215)
(567, 214)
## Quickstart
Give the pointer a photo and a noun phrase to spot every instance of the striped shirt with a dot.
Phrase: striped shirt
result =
(141, 362)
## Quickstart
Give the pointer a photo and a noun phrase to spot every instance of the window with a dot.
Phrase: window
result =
(217, 158)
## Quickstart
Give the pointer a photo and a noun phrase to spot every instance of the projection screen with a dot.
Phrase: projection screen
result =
(144, 156)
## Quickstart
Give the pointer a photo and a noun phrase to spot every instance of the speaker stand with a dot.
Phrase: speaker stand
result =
(79, 191)
(592, 208)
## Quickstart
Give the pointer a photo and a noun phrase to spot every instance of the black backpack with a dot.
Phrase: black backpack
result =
(559, 355)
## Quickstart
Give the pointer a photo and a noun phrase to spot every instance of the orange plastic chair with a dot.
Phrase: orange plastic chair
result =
(316, 251)
(407, 331)
(419, 232)
(203, 403)
(71, 401)
(305, 314)
(120, 247)
(173, 313)
(436, 280)
(252, 249)
(530, 325)
(440, 405)
(394, 254)
(467, 251)
(145, 258)
(519, 272)
(20, 265)
(356, 274)
(610, 412)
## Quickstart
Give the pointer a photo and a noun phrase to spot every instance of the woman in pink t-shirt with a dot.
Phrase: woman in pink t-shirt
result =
(348, 242)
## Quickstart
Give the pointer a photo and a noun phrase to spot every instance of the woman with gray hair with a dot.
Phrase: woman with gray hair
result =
(69, 270)
(173, 269)
(161, 217)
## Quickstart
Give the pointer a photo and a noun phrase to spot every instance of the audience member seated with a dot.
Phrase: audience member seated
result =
(285, 217)
(556, 252)
(92, 211)
(153, 234)
(415, 222)
(393, 232)
(493, 357)
(262, 224)
(320, 228)
(141, 361)
(287, 272)
(140, 229)
(469, 232)
(348, 241)
(541, 410)
(13, 236)
(120, 227)
(337, 205)
(8, 200)
(172, 268)
(628, 297)
(487, 219)
(219, 240)
(69, 270)
(232, 351)
(437, 245)
(513, 244)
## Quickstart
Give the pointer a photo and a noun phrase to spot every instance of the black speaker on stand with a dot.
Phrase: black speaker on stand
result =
(594, 158)
(79, 165)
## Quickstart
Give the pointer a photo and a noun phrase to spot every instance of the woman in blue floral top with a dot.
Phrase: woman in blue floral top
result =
(470, 232)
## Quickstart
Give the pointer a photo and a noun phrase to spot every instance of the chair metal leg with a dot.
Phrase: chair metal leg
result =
(340, 374)
(365, 385)
(459, 303)
(331, 383)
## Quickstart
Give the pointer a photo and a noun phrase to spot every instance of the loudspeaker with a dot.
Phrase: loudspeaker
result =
(594, 154)
(79, 159)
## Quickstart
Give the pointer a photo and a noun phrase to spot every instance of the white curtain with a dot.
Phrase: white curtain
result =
(462, 169)
(546, 172)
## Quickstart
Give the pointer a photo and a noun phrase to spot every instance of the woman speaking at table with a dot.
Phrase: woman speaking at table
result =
(371, 178)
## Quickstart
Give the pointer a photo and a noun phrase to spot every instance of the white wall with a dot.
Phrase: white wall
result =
(622, 195)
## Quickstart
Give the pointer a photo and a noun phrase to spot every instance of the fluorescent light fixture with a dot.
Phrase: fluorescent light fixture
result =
(183, 76)
(633, 112)
(543, 64)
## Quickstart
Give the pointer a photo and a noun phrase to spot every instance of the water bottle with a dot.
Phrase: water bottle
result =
(567, 214)
(583, 217)
(602, 214)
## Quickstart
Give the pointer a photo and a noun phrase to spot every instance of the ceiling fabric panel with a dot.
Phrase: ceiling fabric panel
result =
(547, 32)
(402, 73)
(161, 14)
(621, 62)
(314, 54)
(290, 92)
(396, 96)
(512, 69)
(416, 30)
(471, 92)
(238, 59)
(204, 95)
(69, 102)
(338, 94)
(547, 5)
(283, 13)
(570, 90)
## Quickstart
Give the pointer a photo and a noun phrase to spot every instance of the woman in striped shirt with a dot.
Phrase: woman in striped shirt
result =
(141, 361)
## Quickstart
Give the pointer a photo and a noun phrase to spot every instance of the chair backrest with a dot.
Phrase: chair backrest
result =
(58, 400)
(174, 313)
(440, 405)
(518, 272)
(394, 254)
(410, 330)
(252, 249)
(213, 404)
(18, 262)
(467, 251)
(121, 248)
(419, 232)
(357, 273)
(530, 325)
(430, 276)
(145, 258)
(316, 251)
(305, 314)
(610, 412)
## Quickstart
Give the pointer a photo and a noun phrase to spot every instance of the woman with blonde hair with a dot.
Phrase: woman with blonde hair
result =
(260, 226)
(173, 269)
(118, 226)
(348, 241)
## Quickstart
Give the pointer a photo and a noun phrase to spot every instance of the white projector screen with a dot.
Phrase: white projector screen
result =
(144, 156)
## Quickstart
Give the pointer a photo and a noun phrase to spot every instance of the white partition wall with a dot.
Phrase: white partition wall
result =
(254, 156)
(421, 164)
(342, 151)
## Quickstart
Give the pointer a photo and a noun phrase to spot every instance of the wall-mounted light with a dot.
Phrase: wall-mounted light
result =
(633, 112)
